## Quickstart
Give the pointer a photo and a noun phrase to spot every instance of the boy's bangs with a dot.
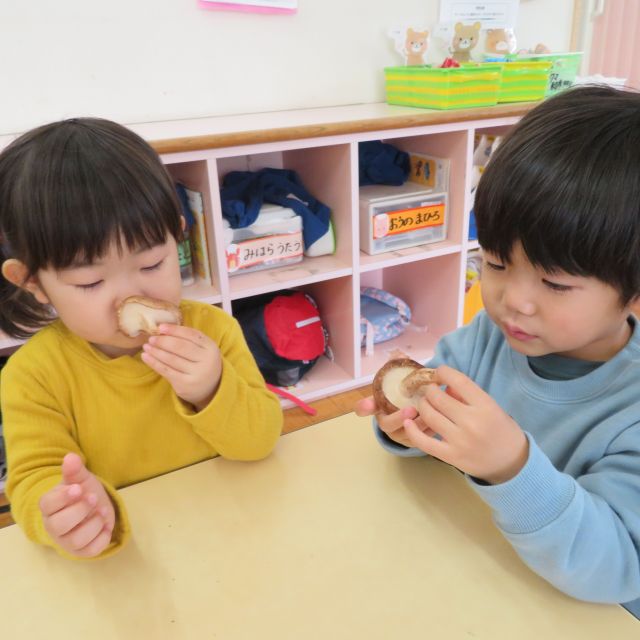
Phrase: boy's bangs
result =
(568, 213)
(549, 232)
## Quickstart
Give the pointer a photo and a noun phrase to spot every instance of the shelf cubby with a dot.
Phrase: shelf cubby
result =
(195, 176)
(427, 287)
(325, 171)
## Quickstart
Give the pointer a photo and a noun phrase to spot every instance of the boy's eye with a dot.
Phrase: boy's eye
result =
(153, 266)
(495, 266)
(91, 285)
(554, 286)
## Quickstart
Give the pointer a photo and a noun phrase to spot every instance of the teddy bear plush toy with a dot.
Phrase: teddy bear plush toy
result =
(465, 39)
(500, 41)
(415, 46)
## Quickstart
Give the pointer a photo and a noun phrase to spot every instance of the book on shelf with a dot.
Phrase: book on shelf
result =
(198, 233)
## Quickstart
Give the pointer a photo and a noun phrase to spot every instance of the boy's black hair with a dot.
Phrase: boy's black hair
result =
(565, 182)
(68, 190)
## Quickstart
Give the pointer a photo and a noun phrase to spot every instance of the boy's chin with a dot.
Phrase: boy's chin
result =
(532, 349)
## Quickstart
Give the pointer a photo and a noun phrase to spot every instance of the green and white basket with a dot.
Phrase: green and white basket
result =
(563, 72)
(437, 88)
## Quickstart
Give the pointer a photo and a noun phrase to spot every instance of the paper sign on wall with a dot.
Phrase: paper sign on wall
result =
(253, 6)
(493, 14)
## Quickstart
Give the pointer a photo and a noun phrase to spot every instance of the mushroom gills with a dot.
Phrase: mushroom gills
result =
(394, 390)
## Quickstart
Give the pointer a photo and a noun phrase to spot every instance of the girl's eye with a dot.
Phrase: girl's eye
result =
(153, 267)
(557, 287)
(91, 285)
(495, 266)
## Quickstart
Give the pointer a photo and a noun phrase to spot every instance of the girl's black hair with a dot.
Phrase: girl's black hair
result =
(68, 190)
(565, 182)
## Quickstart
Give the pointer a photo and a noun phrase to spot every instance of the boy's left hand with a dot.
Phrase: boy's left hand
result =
(477, 436)
(188, 359)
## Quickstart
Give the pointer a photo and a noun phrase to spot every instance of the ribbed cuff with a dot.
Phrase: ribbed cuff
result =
(393, 447)
(535, 497)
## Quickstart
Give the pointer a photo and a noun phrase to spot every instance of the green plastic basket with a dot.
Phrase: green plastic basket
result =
(564, 69)
(437, 88)
(524, 80)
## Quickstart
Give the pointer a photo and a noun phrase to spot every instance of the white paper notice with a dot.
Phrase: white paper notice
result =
(498, 14)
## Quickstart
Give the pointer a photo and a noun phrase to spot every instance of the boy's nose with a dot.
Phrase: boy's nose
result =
(518, 299)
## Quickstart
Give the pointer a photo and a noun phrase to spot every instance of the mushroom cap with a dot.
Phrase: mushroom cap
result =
(138, 314)
(387, 391)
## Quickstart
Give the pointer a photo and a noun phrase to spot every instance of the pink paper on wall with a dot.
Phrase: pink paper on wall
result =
(257, 6)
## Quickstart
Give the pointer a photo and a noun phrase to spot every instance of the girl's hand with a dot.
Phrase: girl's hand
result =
(392, 424)
(188, 359)
(78, 513)
(477, 436)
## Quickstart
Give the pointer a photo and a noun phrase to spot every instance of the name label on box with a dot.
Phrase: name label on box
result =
(268, 249)
(405, 220)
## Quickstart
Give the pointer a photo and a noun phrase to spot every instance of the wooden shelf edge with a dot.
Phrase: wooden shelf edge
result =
(415, 118)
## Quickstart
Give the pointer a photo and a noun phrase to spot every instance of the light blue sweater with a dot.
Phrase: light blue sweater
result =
(573, 512)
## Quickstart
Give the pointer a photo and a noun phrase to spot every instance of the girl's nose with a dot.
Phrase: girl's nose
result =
(123, 294)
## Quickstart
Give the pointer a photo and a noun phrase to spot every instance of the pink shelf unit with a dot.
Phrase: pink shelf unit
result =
(430, 278)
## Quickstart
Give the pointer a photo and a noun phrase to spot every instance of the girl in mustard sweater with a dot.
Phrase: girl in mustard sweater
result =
(89, 217)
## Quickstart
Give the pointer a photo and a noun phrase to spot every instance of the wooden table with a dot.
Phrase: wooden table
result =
(330, 538)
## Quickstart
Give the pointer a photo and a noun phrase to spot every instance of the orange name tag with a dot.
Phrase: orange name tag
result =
(404, 220)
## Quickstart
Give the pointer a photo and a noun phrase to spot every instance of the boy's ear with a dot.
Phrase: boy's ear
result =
(16, 273)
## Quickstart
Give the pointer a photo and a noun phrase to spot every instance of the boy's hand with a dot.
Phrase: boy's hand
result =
(188, 359)
(392, 424)
(477, 436)
(78, 513)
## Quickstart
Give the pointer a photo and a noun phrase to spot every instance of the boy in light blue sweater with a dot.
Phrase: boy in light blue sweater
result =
(539, 403)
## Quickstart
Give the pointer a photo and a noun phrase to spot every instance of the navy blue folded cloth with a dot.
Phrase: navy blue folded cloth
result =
(382, 163)
(244, 192)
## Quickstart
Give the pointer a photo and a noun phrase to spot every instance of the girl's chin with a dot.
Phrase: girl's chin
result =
(121, 345)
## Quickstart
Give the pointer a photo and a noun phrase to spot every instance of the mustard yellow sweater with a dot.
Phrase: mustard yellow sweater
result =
(61, 395)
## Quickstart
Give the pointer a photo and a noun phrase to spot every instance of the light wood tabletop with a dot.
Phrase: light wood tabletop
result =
(330, 537)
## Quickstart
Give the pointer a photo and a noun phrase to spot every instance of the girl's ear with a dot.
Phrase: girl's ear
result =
(16, 273)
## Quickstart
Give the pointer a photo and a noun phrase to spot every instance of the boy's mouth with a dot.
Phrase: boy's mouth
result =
(517, 333)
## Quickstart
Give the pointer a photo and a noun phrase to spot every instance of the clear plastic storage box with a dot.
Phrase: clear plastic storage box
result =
(393, 218)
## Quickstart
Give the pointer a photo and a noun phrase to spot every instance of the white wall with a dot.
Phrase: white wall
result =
(144, 60)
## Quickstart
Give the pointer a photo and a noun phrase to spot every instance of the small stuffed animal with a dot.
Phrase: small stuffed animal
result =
(464, 40)
(500, 41)
(416, 46)
(539, 49)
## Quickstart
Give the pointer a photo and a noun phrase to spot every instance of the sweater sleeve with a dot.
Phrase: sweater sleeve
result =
(38, 435)
(244, 419)
(582, 535)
